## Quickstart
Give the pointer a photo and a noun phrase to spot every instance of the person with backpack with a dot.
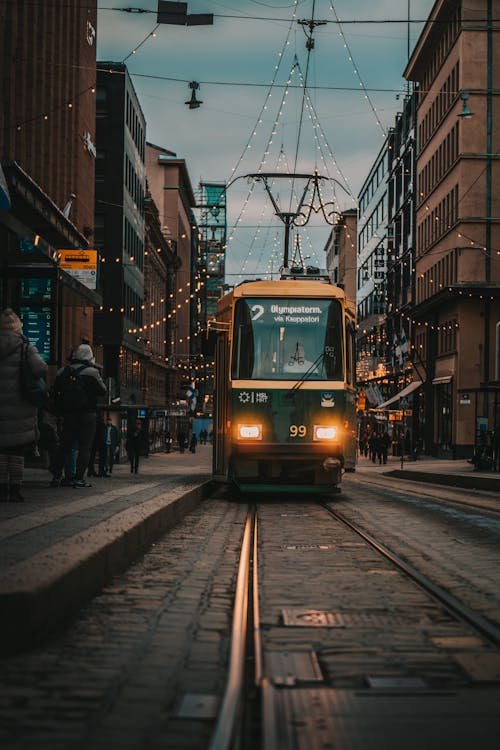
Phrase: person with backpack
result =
(18, 416)
(77, 388)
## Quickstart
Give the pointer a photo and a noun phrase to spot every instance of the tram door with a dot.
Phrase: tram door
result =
(221, 397)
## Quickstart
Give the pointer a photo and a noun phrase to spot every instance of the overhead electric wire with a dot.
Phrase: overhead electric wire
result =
(356, 69)
(140, 11)
(134, 50)
(263, 85)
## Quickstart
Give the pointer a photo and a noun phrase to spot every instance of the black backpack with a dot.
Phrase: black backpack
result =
(71, 392)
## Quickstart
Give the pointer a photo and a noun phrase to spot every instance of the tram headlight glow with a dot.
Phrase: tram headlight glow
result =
(249, 431)
(323, 432)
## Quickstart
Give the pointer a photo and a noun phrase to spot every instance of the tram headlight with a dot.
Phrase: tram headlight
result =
(324, 432)
(249, 431)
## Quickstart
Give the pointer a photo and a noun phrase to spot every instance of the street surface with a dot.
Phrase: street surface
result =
(143, 664)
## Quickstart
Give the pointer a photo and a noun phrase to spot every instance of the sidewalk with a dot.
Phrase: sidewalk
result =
(62, 544)
(458, 473)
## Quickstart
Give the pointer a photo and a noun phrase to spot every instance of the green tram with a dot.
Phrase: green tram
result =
(285, 394)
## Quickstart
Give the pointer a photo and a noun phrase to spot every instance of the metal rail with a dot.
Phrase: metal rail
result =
(231, 703)
(451, 603)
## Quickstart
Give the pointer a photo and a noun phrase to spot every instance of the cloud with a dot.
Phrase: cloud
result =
(214, 137)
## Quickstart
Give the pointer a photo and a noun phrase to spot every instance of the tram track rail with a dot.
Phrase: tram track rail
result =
(453, 605)
(246, 600)
(244, 691)
(422, 490)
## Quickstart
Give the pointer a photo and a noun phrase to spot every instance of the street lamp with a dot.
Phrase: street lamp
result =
(465, 114)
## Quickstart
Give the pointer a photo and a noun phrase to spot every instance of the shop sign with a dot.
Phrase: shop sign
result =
(464, 399)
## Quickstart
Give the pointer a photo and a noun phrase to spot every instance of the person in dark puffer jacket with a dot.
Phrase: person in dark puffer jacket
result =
(79, 424)
(18, 418)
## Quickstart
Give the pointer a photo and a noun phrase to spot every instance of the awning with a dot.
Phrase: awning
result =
(405, 392)
(442, 379)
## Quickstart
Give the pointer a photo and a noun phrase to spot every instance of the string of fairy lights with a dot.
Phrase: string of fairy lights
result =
(320, 139)
(324, 153)
(274, 130)
(356, 70)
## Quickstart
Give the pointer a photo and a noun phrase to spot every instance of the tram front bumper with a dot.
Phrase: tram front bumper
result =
(280, 464)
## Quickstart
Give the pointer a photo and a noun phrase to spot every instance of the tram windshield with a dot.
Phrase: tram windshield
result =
(282, 339)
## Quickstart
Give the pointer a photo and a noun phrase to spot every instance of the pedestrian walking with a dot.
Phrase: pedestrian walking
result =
(18, 417)
(363, 444)
(107, 445)
(77, 388)
(193, 443)
(181, 439)
(384, 444)
(135, 445)
(372, 444)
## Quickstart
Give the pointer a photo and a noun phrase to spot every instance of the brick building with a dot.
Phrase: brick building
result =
(47, 136)
(341, 253)
(456, 67)
(171, 190)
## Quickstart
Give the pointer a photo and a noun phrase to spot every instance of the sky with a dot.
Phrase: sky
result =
(256, 115)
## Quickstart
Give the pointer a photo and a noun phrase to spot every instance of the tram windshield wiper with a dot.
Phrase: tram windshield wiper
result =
(305, 376)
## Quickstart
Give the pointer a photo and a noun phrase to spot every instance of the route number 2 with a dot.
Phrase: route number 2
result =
(298, 430)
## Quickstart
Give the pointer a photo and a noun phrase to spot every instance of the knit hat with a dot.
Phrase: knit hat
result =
(83, 353)
(9, 321)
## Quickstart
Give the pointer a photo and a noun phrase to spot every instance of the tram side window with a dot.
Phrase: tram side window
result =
(243, 346)
(333, 355)
(349, 354)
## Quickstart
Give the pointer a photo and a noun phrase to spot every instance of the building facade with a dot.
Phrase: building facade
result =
(456, 68)
(47, 153)
(372, 370)
(171, 190)
(341, 255)
(120, 232)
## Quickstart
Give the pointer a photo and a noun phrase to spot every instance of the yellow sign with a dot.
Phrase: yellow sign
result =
(395, 416)
(81, 265)
(408, 412)
(361, 401)
(78, 260)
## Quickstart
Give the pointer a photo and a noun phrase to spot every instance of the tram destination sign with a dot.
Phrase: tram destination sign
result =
(297, 312)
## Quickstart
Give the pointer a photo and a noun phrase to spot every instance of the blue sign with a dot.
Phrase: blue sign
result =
(37, 327)
(327, 398)
(36, 289)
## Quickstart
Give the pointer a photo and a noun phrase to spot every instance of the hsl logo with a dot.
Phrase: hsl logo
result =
(327, 398)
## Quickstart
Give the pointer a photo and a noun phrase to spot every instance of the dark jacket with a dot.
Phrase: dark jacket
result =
(94, 385)
(18, 418)
(137, 441)
(101, 436)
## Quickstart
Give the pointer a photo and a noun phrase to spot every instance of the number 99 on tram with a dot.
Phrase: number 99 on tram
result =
(285, 395)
